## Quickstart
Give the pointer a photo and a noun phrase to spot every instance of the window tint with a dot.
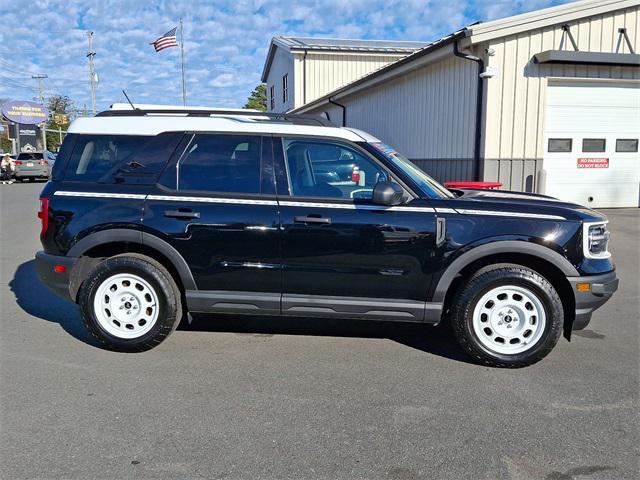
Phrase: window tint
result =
(116, 158)
(559, 145)
(627, 145)
(324, 169)
(97, 158)
(594, 145)
(221, 163)
(30, 156)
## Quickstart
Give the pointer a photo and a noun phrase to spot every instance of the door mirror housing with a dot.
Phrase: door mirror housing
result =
(388, 193)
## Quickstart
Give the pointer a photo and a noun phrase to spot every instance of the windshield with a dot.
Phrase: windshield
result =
(424, 181)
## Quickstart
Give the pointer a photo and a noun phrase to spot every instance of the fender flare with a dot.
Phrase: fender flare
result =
(505, 246)
(137, 236)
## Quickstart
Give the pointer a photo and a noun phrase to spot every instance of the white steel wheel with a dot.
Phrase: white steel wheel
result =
(126, 306)
(509, 319)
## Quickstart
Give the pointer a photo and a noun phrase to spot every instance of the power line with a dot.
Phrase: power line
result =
(40, 78)
(92, 71)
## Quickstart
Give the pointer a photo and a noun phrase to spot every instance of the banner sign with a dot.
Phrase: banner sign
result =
(593, 163)
(27, 113)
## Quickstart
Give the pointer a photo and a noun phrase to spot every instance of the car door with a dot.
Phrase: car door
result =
(215, 204)
(342, 255)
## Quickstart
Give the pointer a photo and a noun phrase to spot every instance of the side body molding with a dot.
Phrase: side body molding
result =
(139, 237)
(506, 246)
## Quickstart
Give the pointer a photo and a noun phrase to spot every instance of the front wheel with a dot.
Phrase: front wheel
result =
(507, 316)
(130, 303)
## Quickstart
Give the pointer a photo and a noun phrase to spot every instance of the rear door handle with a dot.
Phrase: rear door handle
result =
(308, 219)
(181, 214)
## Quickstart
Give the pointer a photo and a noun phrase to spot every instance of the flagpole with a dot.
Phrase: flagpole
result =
(184, 89)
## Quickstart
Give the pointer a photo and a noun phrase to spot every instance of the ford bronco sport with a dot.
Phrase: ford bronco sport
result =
(151, 214)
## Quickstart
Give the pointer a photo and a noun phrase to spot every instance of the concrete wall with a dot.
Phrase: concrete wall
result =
(515, 98)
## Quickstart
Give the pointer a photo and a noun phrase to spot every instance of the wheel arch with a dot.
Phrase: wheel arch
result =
(92, 248)
(545, 261)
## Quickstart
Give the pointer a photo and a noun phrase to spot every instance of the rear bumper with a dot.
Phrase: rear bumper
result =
(602, 289)
(43, 172)
(57, 281)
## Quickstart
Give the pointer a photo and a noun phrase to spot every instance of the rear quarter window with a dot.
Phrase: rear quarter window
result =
(119, 158)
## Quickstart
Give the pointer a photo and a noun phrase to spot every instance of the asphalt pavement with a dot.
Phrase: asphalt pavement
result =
(243, 398)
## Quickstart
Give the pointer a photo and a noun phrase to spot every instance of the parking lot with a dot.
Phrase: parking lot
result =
(236, 397)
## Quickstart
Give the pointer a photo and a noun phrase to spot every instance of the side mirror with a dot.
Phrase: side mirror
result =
(387, 193)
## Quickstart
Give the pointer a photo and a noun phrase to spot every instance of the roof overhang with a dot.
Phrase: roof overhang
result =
(588, 58)
(547, 17)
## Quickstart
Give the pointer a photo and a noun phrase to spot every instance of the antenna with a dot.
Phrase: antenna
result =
(129, 100)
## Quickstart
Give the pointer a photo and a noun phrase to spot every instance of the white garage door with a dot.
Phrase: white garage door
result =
(592, 131)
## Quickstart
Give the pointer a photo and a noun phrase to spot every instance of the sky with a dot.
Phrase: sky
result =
(225, 41)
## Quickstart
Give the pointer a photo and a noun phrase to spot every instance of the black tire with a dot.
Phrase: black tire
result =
(156, 275)
(506, 275)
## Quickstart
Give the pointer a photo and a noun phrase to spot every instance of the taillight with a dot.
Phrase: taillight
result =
(43, 162)
(17, 162)
(43, 215)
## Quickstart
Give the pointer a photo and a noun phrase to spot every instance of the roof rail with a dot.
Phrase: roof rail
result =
(295, 118)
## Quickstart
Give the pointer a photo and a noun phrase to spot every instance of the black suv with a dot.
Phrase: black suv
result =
(153, 214)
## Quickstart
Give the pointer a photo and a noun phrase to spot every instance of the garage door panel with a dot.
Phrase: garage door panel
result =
(579, 110)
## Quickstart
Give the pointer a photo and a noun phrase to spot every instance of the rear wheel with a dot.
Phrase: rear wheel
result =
(130, 303)
(507, 316)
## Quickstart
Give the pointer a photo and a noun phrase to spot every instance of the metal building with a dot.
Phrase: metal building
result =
(547, 101)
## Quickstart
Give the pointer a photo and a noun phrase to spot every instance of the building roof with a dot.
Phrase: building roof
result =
(310, 44)
(482, 32)
(348, 45)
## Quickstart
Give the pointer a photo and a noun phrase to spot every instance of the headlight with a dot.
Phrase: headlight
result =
(596, 240)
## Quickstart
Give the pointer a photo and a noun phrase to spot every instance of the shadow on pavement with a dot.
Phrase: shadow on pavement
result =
(37, 300)
(438, 341)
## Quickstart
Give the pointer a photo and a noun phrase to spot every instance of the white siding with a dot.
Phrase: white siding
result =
(325, 73)
(514, 114)
(282, 64)
(427, 114)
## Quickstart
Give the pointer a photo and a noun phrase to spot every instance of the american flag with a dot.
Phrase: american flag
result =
(165, 41)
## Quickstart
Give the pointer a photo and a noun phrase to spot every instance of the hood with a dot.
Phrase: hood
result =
(522, 202)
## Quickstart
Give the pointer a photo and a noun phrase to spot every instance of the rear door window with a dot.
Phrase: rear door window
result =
(221, 163)
(111, 158)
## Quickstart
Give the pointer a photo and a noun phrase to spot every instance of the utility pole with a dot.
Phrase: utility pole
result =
(40, 78)
(92, 71)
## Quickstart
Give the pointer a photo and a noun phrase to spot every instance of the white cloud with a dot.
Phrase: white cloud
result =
(222, 80)
(225, 47)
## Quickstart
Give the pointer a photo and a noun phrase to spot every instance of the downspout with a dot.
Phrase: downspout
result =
(344, 112)
(479, 104)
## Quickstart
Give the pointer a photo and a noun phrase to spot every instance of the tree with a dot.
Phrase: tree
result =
(258, 98)
(61, 105)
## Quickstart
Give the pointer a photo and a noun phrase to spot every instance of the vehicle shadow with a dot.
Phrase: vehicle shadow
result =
(438, 341)
(37, 300)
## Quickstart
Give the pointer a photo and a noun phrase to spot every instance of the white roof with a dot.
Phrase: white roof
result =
(154, 124)
(157, 106)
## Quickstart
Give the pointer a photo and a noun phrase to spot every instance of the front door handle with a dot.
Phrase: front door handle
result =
(310, 219)
(187, 214)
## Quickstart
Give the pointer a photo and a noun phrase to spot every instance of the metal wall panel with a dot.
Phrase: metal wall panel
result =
(428, 115)
(325, 73)
(514, 112)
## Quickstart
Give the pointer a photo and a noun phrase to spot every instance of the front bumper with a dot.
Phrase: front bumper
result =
(59, 282)
(602, 288)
